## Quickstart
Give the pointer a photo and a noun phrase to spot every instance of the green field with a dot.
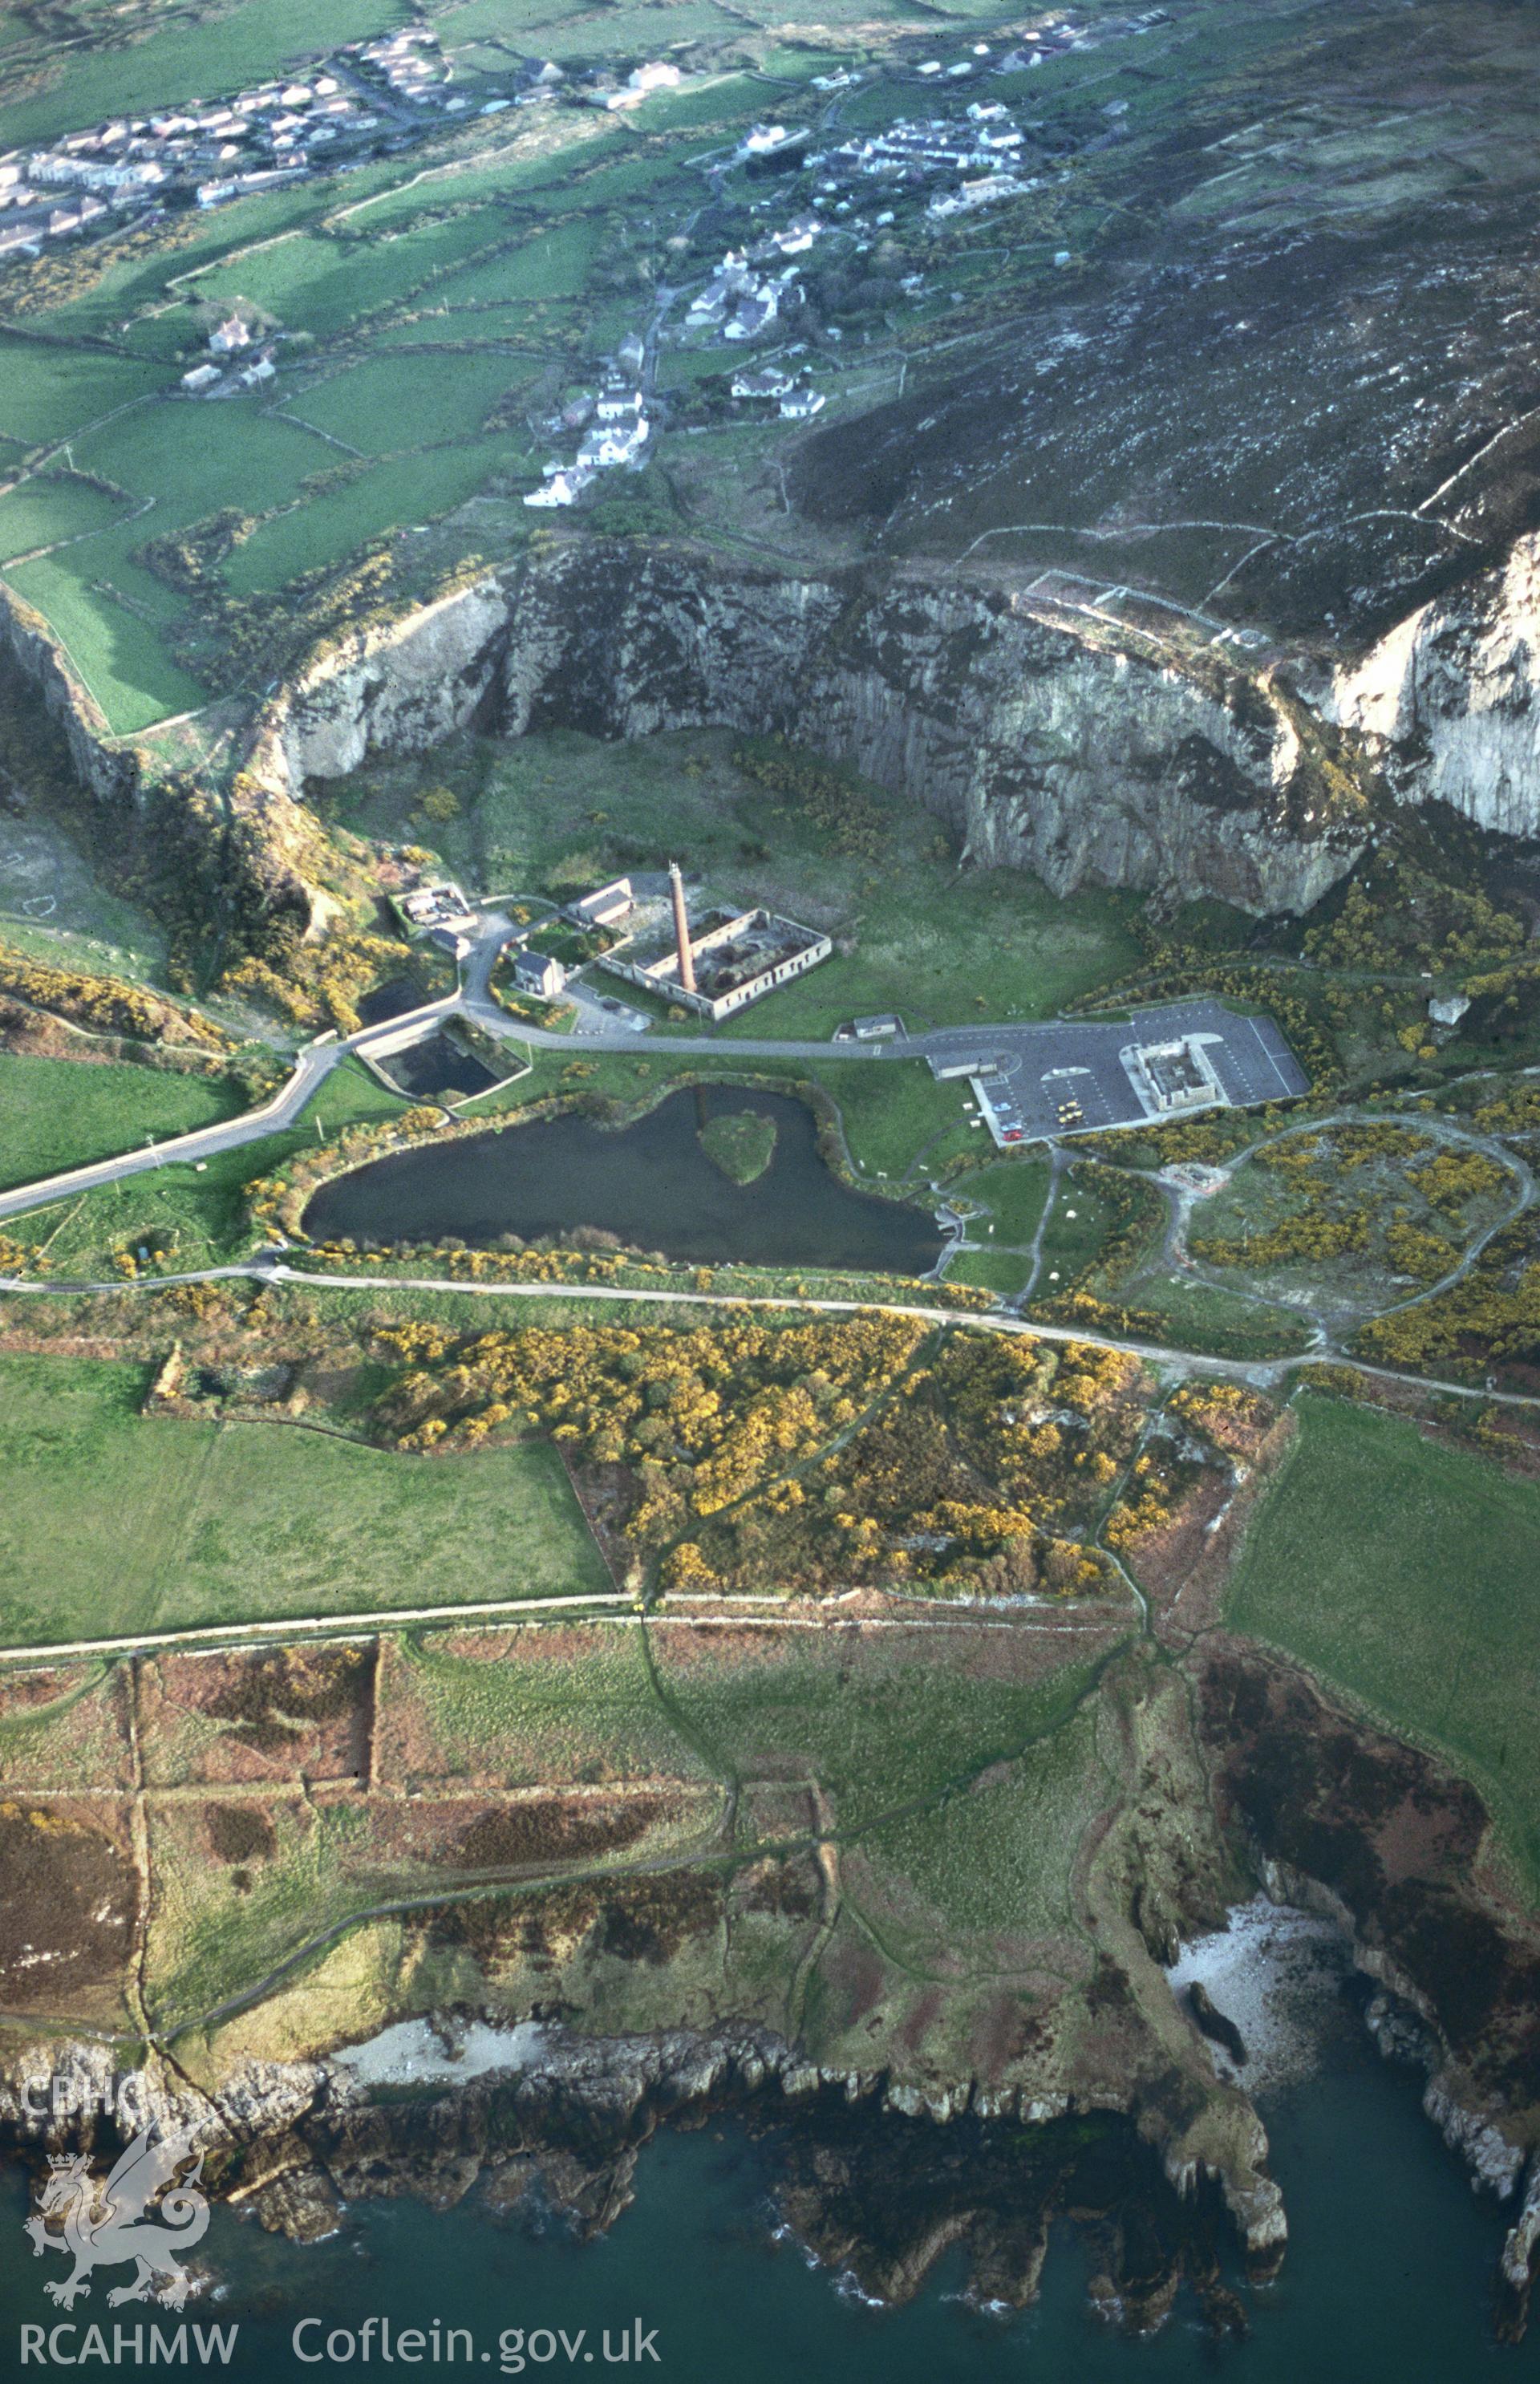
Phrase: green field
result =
(108, 610)
(1000, 1858)
(326, 529)
(40, 512)
(59, 1113)
(1079, 1229)
(116, 1523)
(594, 1713)
(46, 391)
(898, 1728)
(393, 402)
(1013, 1193)
(312, 282)
(1005, 1273)
(1194, 1316)
(940, 946)
(1403, 1570)
(187, 61)
(894, 1118)
(194, 1216)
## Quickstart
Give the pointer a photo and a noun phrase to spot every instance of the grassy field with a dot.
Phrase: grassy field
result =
(47, 391)
(109, 611)
(195, 1217)
(1194, 1316)
(1003, 1272)
(1079, 1229)
(1403, 1570)
(1013, 1193)
(589, 1712)
(55, 907)
(998, 1859)
(59, 1113)
(116, 1523)
(42, 511)
(912, 933)
(896, 1727)
(574, 1706)
(393, 402)
(894, 1118)
(187, 60)
(327, 529)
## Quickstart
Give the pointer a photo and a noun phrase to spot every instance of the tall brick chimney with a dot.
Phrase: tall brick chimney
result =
(681, 929)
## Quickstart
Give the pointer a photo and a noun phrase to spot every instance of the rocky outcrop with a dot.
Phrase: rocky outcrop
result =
(1381, 1839)
(400, 690)
(1042, 748)
(241, 857)
(1450, 697)
(872, 2186)
(109, 774)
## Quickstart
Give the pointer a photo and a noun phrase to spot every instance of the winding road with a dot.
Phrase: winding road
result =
(1010, 1047)
(472, 1001)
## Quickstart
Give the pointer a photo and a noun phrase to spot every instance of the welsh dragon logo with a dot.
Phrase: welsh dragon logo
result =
(103, 2226)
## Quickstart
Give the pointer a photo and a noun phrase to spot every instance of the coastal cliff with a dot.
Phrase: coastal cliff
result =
(544, 1958)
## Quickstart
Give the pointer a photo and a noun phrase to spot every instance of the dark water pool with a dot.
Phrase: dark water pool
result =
(651, 1182)
(390, 1001)
(432, 1069)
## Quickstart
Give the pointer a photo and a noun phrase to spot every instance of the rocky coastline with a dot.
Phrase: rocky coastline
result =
(876, 2180)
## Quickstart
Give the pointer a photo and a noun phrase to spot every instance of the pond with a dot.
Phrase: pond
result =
(651, 1182)
(437, 1066)
(390, 1001)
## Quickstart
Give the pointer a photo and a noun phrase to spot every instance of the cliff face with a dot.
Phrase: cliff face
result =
(1451, 698)
(1044, 746)
(242, 858)
(1042, 749)
(108, 773)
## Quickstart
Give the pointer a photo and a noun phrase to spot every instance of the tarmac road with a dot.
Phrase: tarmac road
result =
(1044, 1065)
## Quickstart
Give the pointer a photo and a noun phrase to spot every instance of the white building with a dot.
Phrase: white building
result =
(561, 487)
(607, 444)
(229, 335)
(202, 377)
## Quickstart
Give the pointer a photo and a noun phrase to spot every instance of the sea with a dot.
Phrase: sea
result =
(1388, 2280)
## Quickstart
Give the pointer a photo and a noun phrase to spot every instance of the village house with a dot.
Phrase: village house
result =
(769, 381)
(561, 484)
(617, 432)
(537, 973)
